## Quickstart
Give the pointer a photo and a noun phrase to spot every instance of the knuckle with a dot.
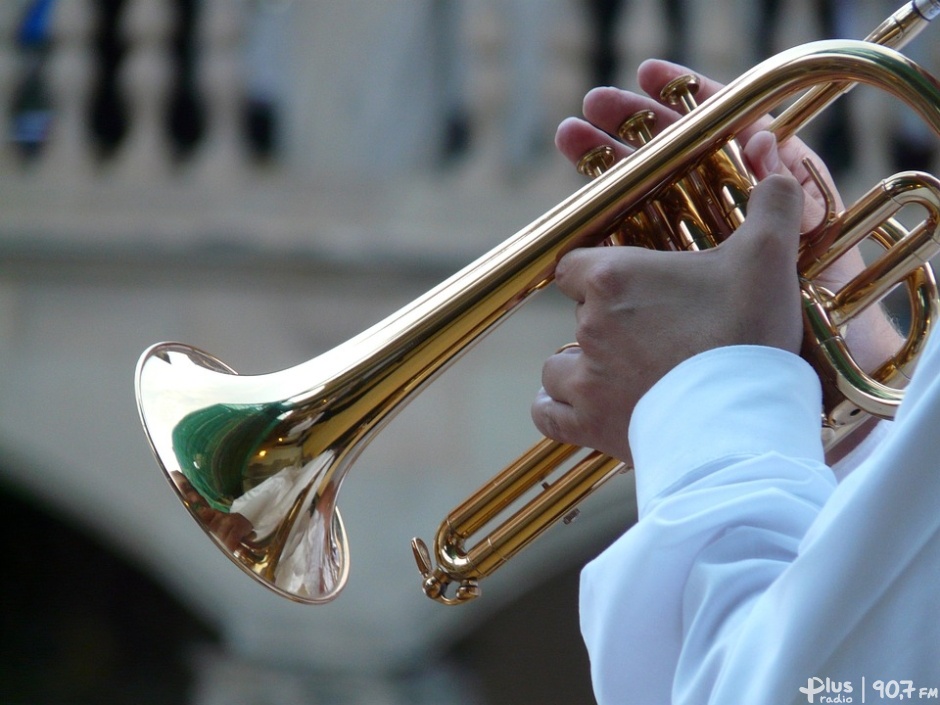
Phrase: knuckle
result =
(549, 424)
(591, 333)
(607, 277)
(566, 266)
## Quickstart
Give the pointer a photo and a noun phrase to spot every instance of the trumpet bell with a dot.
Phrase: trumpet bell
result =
(235, 456)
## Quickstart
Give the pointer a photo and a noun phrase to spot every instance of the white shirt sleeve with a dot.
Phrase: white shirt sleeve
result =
(751, 575)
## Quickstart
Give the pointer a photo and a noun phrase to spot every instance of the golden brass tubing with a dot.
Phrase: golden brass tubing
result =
(915, 250)
(313, 420)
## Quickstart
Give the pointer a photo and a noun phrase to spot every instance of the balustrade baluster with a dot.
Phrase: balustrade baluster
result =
(185, 112)
(68, 155)
(221, 159)
(30, 107)
(107, 105)
(144, 77)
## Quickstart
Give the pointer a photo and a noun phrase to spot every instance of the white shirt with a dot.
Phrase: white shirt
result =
(752, 576)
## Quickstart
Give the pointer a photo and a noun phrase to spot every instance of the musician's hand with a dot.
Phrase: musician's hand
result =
(872, 337)
(606, 108)
(229, 528)
(641, 312)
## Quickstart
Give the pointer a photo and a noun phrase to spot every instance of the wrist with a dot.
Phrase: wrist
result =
(873, 338)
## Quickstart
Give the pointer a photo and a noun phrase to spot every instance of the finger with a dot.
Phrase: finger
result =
(775, 208)
(608, 108)
(574, 138)
(559, 371)
(555, 409)
(206, 514)
(587, 267)
(654, 74)
(763, 154)
(228, 533)
(794, 154)
(771, 231)
(569, 274)
(554, 419)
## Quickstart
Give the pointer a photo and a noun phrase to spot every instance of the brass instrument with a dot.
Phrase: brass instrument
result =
(259, 460)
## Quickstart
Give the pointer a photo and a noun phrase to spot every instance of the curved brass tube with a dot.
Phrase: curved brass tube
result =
(259, 460)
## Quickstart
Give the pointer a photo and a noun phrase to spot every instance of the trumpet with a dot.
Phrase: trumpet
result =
(258, 460)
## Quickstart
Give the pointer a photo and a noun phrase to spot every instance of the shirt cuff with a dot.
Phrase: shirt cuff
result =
(727, 402)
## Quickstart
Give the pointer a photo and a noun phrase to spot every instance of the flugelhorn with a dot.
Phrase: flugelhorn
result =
(258, 460)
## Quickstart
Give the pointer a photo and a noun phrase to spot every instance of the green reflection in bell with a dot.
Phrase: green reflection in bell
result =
(214, 445)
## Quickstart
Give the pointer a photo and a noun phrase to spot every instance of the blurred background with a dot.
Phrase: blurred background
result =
(264, 179)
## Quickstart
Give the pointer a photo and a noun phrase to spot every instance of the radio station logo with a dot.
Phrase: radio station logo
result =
(827, 690)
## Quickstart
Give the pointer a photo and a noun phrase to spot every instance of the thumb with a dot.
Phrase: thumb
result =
(763, 261)
(763, 154)
(771, 230)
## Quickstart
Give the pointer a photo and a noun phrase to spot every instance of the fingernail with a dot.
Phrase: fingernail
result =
(771, 158)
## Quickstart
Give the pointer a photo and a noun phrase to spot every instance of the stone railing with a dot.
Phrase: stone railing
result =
(309, 128)
(247, 125)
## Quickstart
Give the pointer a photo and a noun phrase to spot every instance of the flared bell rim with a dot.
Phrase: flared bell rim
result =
(238, 549)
